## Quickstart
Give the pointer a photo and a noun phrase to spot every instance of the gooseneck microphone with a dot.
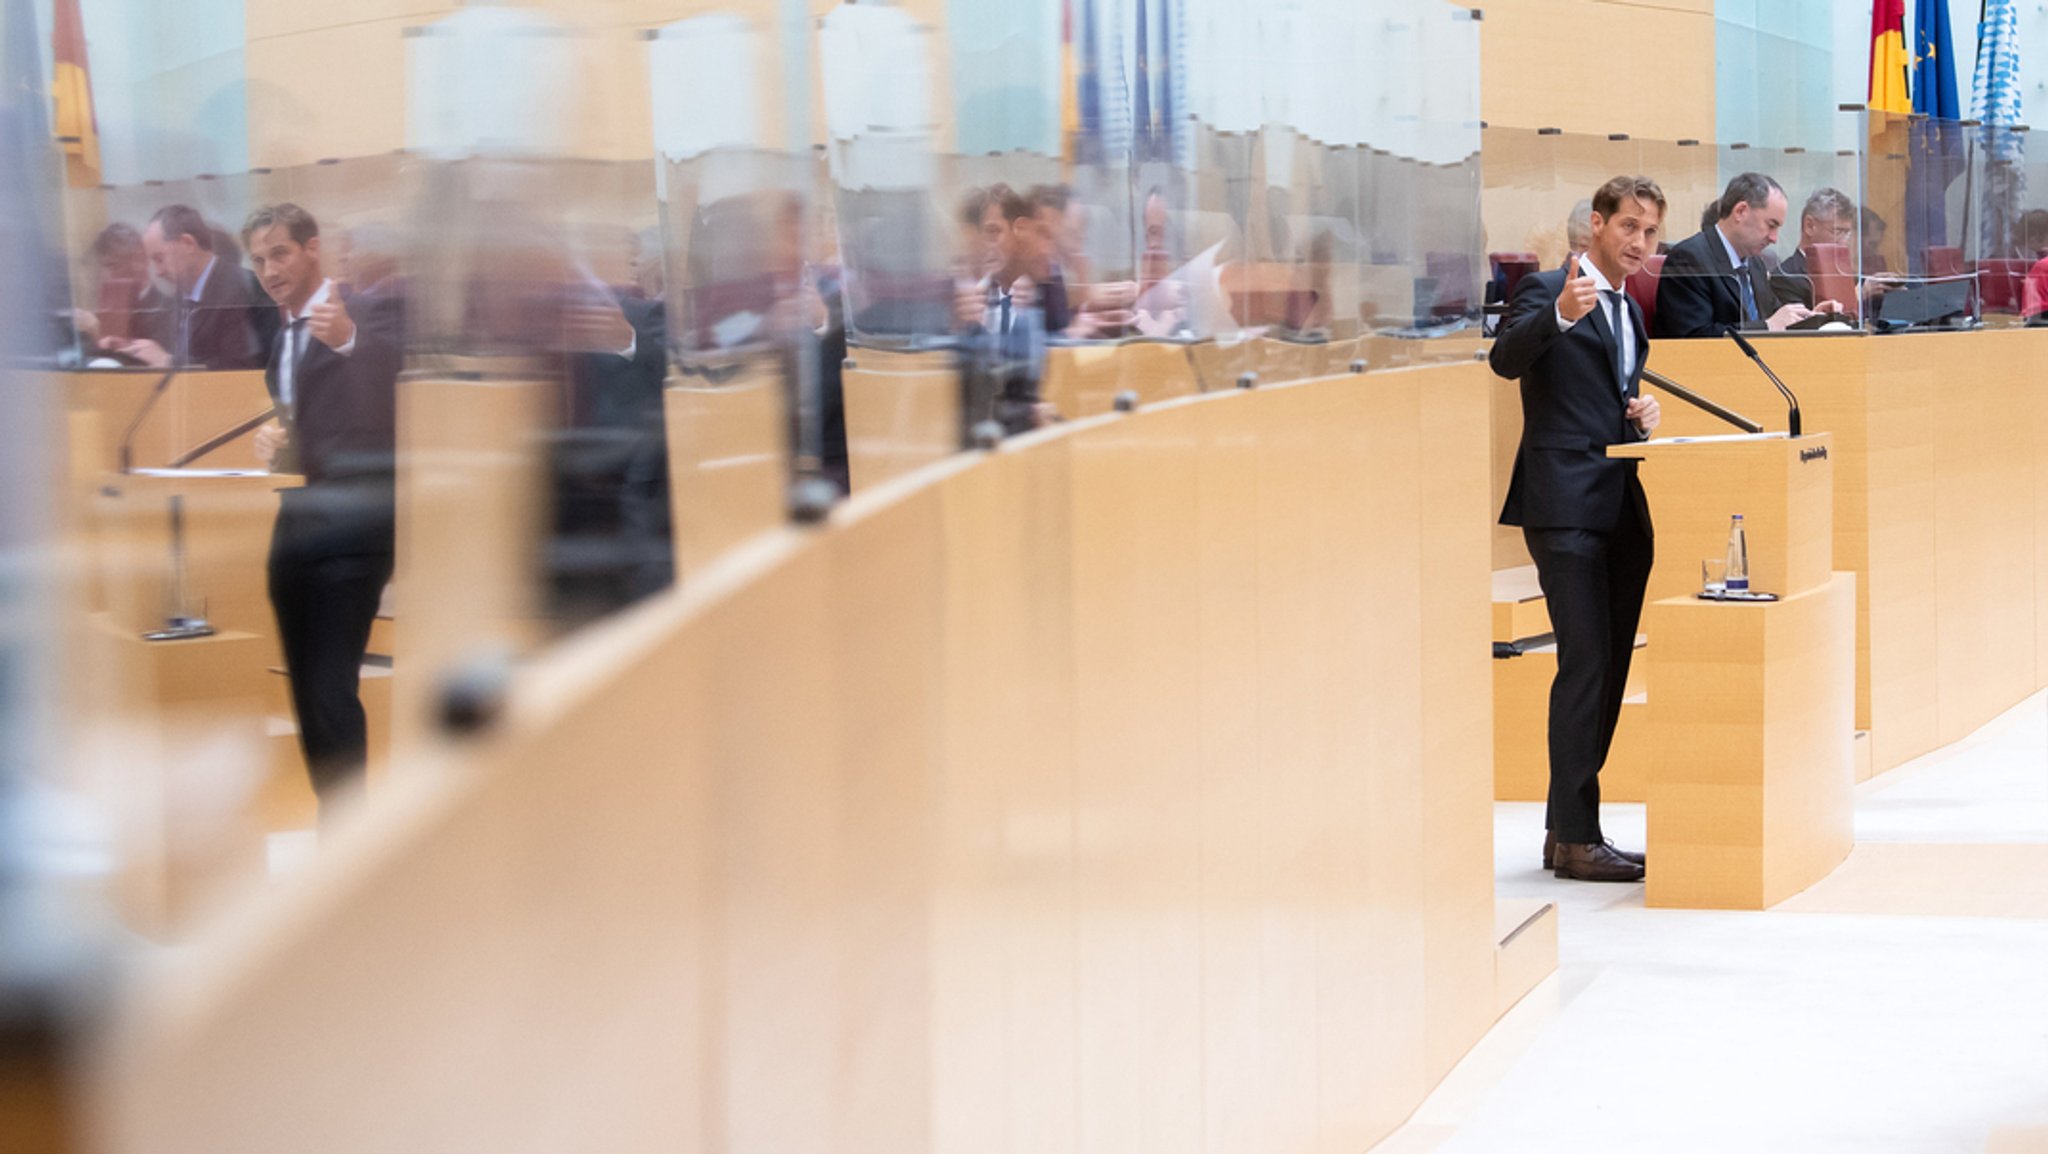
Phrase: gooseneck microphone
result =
(1791, 402)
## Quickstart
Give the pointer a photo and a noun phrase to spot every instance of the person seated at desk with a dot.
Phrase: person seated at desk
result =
(214, 322)
(1005, 317)
(2034, 242)
(1100, 308)
(612, 537)
(333, 374)
(1828, 218)
(1578, 229)
(130, 306)
(1715, 281)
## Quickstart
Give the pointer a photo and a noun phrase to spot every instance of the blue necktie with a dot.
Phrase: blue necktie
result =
(1748, 293)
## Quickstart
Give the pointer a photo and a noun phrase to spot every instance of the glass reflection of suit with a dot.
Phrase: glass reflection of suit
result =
(1008, 355)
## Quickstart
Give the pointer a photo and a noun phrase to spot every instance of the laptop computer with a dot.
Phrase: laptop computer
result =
(1925, 304)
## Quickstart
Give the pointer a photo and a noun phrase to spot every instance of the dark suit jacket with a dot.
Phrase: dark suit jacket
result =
(1572, 409)
(344, 412)
(615, 392)
(1791, 282)
(1698, 295)
(225, 332)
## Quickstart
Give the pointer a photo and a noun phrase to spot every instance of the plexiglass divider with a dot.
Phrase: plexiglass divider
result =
(616, 371)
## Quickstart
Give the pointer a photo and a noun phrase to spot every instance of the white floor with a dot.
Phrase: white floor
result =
(1901, 1005)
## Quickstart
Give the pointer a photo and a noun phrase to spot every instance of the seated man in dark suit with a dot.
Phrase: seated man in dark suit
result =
(1004, 318)
(1714, 281)
(333, 373)
(1828, 218)
(213, 323)
(612, 540)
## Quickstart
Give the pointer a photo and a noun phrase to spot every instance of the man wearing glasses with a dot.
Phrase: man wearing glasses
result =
(1828, 218)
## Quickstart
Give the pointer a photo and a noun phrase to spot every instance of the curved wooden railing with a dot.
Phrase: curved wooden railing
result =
(1123, 785)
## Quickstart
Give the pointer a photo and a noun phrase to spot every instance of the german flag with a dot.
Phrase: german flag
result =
(1888, 61)
(75, 124)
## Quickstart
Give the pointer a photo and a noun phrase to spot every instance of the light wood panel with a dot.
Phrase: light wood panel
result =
(1783, 488)
(1521, 728)
(194, 408)
(468, 529)
(1116, 789)
(1523, 44)
(1752, 722)
(1084, 380)
(1452, 465)
(902, 413)
(728, 452)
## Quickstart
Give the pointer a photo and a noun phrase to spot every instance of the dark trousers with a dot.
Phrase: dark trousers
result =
(328, 567)
(1593, 587)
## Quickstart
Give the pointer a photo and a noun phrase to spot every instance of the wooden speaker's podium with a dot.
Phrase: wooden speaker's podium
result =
(1752, 705)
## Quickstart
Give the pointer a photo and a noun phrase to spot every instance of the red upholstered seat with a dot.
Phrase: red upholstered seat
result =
(1642, 285)
(2002, 280)
(1834, 277)
(1508, 270)
(1942, 260)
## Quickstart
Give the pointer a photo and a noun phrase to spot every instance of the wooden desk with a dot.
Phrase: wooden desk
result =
(902, 412)
(194, 407)
(1751, 713)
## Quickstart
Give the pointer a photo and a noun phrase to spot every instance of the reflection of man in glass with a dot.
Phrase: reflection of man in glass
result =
(130, 305)
(1028, 276)
(213, 320)
(1100, 308)
(1004, 317)
(333, 373)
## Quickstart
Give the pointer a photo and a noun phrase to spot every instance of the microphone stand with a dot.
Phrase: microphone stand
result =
(156, 393)
(1791, 401)
(178, 624)
(1699, 402)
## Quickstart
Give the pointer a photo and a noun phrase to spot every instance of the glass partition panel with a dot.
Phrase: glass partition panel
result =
(1919, 241)
(2008, 194)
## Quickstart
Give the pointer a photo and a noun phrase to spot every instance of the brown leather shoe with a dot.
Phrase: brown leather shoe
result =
(1550, 851)
(1595, 862)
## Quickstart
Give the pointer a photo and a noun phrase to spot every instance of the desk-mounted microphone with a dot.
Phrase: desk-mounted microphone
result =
(1791, 402)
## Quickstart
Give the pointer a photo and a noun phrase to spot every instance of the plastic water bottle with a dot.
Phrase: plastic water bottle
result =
(1738, 557)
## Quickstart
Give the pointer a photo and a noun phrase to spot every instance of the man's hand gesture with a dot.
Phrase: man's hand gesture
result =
(330, 324)
(1578, 296)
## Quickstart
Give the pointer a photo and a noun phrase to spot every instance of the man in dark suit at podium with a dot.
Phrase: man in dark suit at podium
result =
(1576, 342)
(333, 374)
(1716, 280)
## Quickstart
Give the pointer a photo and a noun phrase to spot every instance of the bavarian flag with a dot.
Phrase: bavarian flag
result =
(74, 123)
(1888, 61)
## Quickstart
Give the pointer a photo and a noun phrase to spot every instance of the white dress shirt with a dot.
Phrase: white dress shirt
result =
(1613, 302)
(294, 336)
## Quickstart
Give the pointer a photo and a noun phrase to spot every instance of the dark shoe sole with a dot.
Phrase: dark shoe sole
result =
(1550, 858)
(1566, 875)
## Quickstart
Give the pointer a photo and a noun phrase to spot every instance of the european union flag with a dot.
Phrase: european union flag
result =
(1940, 147)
